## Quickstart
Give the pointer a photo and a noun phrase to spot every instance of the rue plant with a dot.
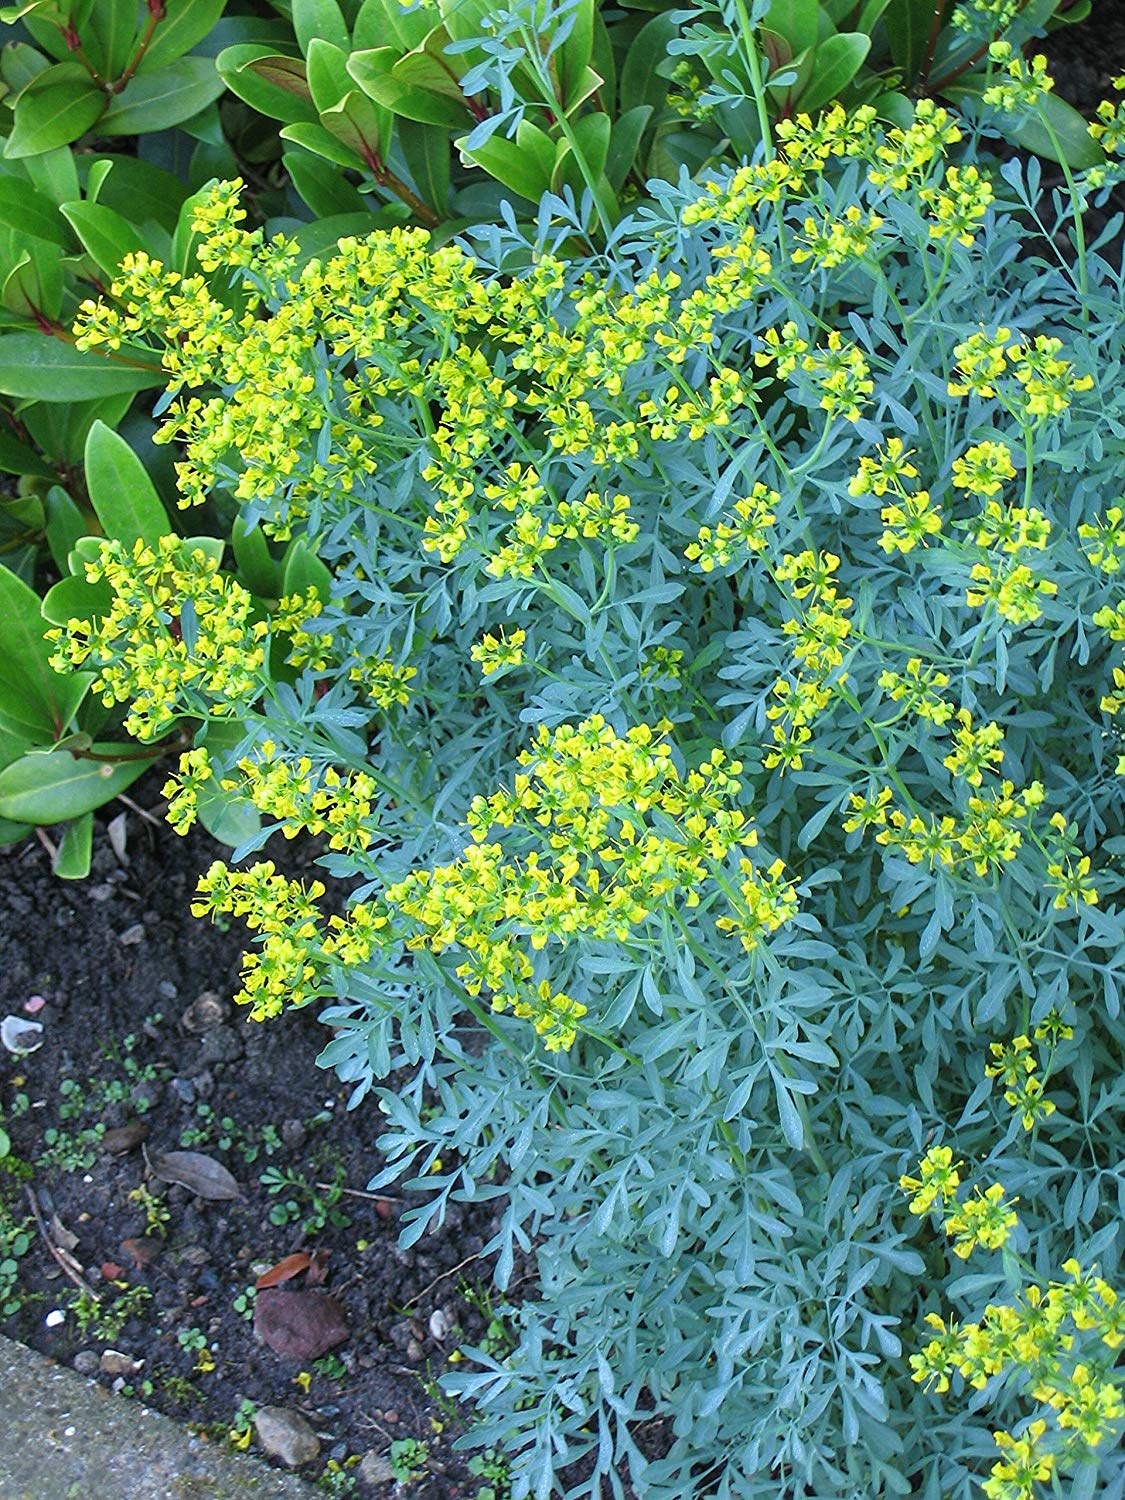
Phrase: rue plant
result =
(716, 701)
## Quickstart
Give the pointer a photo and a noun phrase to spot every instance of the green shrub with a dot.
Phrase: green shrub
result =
(716, 703)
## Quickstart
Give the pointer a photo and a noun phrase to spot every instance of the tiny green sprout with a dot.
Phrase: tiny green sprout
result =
(408, 1459)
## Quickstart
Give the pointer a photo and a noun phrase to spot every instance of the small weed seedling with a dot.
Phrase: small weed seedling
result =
(106, 1320)
(194, 1340)
(408, 1459)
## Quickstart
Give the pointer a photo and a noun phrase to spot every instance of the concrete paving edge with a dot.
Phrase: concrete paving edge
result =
(63, 1437)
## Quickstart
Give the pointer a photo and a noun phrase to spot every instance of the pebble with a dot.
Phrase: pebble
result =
(294, 1134)
(220, 1045)
(102, 892)
(184, 1090)
(124, 1137)
(132, 935)
(374, 1468)
(414, 1352)
(440, 1323)
(167, 990)
(86, 1362)
(204, 1083)
(285, 1435)
(205, 1011)
(113, 1362)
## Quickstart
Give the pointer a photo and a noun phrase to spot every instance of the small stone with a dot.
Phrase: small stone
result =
(440, 1324)
(86, 1362)
(124, 1138)
(390, 1417)
(113, 1362)
(220, 1045)
(102, 892)
(184, 1090)
(204, 1083)
(294, 1134)
(374, 1468)
(205, 1011)
(285, 1435)
(167, 990)
(132, 935)
(414, 1352)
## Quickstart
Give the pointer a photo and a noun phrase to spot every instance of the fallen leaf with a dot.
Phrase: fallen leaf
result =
(299, 1324)
(118, 834)
(144, 1249)
(201, 1175)
(124, 1138)
(285, 1270)
(61, 1235)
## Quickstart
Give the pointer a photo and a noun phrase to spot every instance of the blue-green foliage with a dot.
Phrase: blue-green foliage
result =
(727, 1283)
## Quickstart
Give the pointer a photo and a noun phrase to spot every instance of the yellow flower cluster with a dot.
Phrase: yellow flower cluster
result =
(984, 1220)
(1024, 84)
(909, 518)
(1109, 127)
(987, 837)
(289, 968)
(176, 626)
(383, 682)
(1035, 1338)
(302, 799)
(957, 204)
(833, 242)
(818, 628)
(1016, 1068)
(617, 835)
(496, 652)
(919, 690)
(743, 534)
(843, 375)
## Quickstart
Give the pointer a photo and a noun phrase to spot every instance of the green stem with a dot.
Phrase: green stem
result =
(757, 83)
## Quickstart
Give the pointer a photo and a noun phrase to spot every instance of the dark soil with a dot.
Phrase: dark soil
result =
(118, 962)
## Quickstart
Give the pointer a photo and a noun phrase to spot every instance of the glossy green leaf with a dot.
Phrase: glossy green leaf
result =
(122, 494)
(797, 21)
(51, 786)
(106, 236)
(257, 568)
(908, 24)
(378, 75)
(381, 22)
(329, 79)
(53, 173)
(229, 818)
(58, 107)
(17, 457)
(48, 369)
(835, 63)
(624, 142)
(76, 598)
(303, 569)
(35, 700)
(109, 35)
(640, 82)
(139, 191)
(64, 524)
(165, 97)
(425, 150)
(186, 23)
(320, 20)
(72, 856)
(573, 58)
(321, 185)
(26, 209)
(1056, 130)
(362, 125)
(275, 85)
(323, 143)
(526, 165)
(33, 288)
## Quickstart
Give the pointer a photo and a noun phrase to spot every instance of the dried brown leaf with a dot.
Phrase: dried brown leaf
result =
(299, 1324)
(285, 1270)
(201, 1175)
